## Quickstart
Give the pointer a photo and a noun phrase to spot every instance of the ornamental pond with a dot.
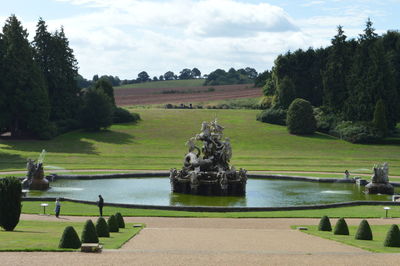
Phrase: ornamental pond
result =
(157, 191)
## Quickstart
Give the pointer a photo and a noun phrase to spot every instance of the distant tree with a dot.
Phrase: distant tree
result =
(300, 119)
(286, 92)
(262, 78)
(161, 78)
(186, 73)
(155, 78)
(251, 73)
(105, 85)
(196, 72)
(82, 82)
(97, 110)
(379, 120)
(169, 75)
(143, 77)
(95, 78)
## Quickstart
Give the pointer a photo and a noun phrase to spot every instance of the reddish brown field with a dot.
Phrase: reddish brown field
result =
(140, 96)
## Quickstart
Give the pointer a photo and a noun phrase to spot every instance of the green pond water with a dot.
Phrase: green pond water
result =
(157, 191)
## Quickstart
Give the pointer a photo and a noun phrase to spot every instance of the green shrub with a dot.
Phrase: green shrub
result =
(97, 110)
(69, 238)
(275, 116)
(120, 220)
(265, 102)
(364, 231)
(300, 118)
(102, 228)
(326, 121)
(10, 202)
(324, 224)
(392, 237)
(89, 234)
(379, 120)
(357, 132)
(122, 115)
(341, 227)
(113, 224)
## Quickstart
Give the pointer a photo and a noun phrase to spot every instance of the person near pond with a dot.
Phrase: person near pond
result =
(58, 207)
(100, 203)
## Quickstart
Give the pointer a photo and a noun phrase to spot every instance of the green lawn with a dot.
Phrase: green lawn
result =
(78, 209)
(45, 236)
(165, 84)
(158, 142)
(376, 245)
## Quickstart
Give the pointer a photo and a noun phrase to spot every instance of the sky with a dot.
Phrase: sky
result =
(124, 37)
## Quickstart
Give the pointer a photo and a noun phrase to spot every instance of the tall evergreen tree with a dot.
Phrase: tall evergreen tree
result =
(27, 99)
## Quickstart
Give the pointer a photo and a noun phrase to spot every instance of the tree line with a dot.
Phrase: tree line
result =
(350, 80)
(39, 93)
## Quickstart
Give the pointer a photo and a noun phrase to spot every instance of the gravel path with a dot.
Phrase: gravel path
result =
(213, 241)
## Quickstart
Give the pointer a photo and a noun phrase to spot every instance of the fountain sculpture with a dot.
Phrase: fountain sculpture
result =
(35, 179)
(380, 181)
(209, 174)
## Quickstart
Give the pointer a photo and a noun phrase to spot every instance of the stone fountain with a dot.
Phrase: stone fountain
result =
(35, 179)
(207, 171)
(380, 181)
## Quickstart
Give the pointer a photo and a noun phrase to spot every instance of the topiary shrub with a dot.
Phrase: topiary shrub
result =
(364, 231)
(300, 119)
(102, 228)
(380, 121)
(10, 202)
(120, 220)
(324, 224)
(89, 234)
(112, 224)
(275, 116)
(69, 238)
(122, 115)
(392, 237)
(341, 227)
(357, 132)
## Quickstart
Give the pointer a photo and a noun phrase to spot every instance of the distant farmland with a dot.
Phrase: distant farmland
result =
(182, 94)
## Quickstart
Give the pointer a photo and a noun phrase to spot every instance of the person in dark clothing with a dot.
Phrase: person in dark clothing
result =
(58, 207)
(100, 203)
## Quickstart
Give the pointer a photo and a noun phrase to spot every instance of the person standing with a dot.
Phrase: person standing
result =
(100, 203)
(58, 207)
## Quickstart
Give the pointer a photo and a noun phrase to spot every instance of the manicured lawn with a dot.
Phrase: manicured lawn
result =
(375, 245)
(166, 84)
(78, 209)
(45, 236)
(158, 142)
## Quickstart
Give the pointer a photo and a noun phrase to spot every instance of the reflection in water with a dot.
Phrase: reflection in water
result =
(157, 191)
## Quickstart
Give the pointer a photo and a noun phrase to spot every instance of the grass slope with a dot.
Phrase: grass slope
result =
(158, 142)
(375, 245)
(165, 84)
(45, 236)
(78, 209)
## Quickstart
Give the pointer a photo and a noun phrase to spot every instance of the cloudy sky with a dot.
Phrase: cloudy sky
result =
(124, 37)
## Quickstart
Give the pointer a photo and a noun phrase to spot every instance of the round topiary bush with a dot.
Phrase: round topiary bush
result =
(102, 228)
(10, 202)
(341, 227)
(324, 224)
(300, 119)
(392, 237)
(120, 220)
(69, 238)
(89, 234)
(113, 224)
(364, 231)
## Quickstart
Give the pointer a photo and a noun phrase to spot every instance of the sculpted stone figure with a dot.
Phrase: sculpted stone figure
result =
(380, 181)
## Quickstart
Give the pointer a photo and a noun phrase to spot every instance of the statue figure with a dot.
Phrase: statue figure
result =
(35, 178)
(216, 129)
(380, 181)
(205, 132)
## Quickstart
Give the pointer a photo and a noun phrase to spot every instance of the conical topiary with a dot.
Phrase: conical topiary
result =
(112, 224)
(89, 234)
(102, 228)
(324, 224)
(392, 237)
(120, 220)
(341, 227)
(364, 231)
(69, 238)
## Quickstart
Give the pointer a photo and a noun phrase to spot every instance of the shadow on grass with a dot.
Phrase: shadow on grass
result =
(108, 136)
(8, 161)
(318, 135)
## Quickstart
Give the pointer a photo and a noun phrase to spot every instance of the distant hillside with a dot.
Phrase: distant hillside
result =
(164, 84)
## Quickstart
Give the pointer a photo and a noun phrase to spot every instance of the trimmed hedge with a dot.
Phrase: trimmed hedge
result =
(120, 220)
(273, 116)
(324, 224)
(102, 228)
(113, 224)
(364, 231)
(300, 118)
(89, 234)
(392, 237)
(10, 202)
(69, 239)
(341, 227)
(122, 115)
